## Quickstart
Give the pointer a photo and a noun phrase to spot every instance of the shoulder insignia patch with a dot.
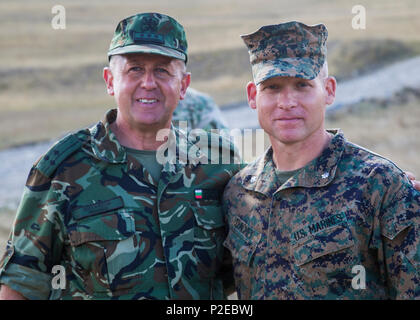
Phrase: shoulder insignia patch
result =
(59, 152)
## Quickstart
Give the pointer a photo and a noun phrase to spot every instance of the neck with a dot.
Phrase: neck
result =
(140, 138)
(288, 157)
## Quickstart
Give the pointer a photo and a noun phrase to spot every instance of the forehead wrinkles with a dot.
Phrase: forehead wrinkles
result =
(142, 60)
(173, 65)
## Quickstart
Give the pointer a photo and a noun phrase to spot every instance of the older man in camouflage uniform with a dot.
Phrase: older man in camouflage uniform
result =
(316, 216)
(122, 224)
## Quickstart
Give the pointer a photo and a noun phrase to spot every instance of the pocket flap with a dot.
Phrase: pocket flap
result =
(98, 207)
(393, 227)
(322, 243)
(111, 226)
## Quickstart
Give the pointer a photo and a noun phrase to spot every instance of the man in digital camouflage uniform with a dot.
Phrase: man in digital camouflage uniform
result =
(99, 203)
(315, 205)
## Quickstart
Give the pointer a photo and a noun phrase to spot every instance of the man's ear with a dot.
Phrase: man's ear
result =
(185, 83)
(251, 91)
(109, 80)
(330, 87)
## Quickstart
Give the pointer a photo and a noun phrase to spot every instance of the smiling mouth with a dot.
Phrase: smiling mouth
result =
(288, 119)
(147, 101)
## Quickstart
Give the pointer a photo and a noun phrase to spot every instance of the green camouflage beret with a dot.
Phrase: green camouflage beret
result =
(290, 49)
(149, 33)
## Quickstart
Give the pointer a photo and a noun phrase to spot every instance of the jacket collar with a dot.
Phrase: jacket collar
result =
(106, 147)
(104, 143)
(260, 175)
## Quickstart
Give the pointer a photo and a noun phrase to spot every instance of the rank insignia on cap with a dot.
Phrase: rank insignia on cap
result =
(198, 194)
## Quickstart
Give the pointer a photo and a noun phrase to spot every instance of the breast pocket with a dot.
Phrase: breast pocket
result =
(209, 234)
(104, 250)
(325, 259)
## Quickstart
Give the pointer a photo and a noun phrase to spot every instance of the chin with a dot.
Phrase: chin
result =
(288, 137)
(152, 121)
(287, 140)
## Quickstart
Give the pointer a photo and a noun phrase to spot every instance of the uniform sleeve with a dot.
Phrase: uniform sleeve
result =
(35, 242)
(401, 246)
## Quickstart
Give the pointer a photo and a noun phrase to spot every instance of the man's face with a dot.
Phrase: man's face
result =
(146, 87)
(291, 110)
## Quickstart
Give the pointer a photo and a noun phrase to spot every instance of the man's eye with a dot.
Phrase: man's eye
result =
(271, 87)
(162, 70)
(135, 69)
(302, 84)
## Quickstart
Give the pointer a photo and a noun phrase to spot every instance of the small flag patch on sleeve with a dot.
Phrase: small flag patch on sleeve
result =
(198, 193)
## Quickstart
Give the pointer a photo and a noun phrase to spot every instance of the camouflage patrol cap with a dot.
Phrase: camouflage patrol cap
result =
(290, 49)
(149, 33)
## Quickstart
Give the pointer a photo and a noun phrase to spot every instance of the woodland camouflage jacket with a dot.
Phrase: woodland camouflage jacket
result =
(97, 212)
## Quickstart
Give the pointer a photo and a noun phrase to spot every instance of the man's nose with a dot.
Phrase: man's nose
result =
(287, 98)
(148, 81)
